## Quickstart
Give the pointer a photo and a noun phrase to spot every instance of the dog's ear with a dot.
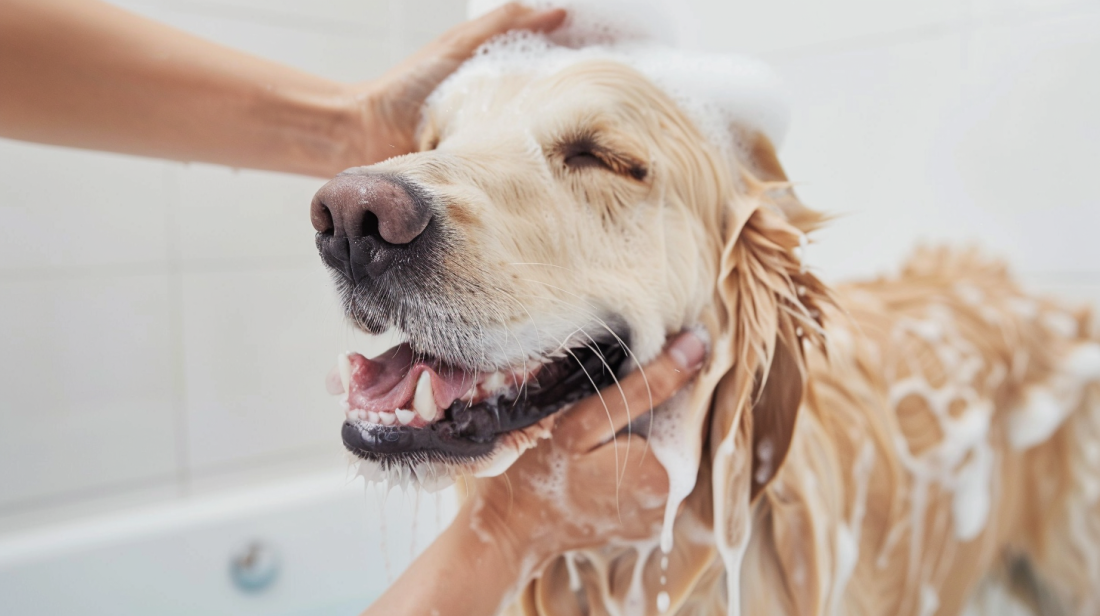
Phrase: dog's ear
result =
(770, 313)
(759, 158)
(774, 413)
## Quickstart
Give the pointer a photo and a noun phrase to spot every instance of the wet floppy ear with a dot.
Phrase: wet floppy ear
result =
(774, 414)
(770, 308)
(760, 155)
(770, 311)
(761, 162)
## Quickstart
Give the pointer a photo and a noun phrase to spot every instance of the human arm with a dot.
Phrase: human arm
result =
(505, 531)
(86, 74)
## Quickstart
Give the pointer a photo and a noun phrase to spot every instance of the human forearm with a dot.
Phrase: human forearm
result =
(94, 76)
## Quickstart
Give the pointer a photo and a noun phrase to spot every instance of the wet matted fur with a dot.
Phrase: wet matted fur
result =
(875, 448)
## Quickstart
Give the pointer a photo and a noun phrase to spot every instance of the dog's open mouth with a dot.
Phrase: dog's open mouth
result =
(407, 409)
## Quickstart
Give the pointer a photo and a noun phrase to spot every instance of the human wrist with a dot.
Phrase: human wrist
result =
(353, 116)
(315, 130)
(505, 535)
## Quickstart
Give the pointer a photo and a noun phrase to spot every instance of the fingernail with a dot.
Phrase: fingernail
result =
(687, 351)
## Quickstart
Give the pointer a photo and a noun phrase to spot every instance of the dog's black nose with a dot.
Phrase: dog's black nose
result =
(364, 222)
(369, 205)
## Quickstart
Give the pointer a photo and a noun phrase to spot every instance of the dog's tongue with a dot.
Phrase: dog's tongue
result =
(388, 382)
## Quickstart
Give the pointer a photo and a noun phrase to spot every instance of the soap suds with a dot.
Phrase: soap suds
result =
(731, 552)
(929, 601)
(670, 444)
(1046, 405)
(571, 568)
(848, 535)
(635, 603)
(716, 91)
(961, 463)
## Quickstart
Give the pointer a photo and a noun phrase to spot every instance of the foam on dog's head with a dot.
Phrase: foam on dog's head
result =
(605, 22)
(715, 90)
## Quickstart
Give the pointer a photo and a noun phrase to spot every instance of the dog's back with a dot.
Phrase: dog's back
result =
(954, 424)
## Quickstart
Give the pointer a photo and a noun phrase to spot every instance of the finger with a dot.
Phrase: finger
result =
(463, 39)
(598, 418)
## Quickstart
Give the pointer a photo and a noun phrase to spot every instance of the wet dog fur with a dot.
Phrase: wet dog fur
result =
(870, 448)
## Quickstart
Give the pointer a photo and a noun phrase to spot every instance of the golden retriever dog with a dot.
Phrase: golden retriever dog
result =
(866, 449)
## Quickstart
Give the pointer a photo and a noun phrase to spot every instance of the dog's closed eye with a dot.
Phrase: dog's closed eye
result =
(582, 159)
(585, 152)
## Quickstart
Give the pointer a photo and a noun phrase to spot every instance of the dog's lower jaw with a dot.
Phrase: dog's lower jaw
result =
(433, 476)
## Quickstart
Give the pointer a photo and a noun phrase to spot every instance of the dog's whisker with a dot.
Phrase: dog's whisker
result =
(626, 402)
(626, 347)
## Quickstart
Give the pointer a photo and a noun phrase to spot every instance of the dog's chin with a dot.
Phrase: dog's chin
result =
(413, 418)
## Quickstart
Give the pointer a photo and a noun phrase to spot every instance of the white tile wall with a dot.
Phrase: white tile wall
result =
(70, 209)
(165, 328)
(983, 134)
(87, 386)
(350, 49)
(243, 216)
(797, 24)
(257, 346)
(862, 146)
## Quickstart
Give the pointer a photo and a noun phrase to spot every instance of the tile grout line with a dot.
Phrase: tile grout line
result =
(175, 325)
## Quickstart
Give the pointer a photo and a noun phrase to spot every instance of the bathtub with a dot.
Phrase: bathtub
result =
(312, 546)
(317, 545)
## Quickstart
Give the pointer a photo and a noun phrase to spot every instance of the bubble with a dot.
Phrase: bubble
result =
(715, 90)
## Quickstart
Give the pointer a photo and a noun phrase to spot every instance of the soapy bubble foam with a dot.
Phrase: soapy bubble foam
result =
(604, 22)
(716, 91)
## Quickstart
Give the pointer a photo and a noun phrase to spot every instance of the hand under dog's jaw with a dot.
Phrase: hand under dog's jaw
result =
(405, 409)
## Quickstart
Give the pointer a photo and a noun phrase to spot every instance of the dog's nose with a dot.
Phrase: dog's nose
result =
(357, 206)
(366, 223)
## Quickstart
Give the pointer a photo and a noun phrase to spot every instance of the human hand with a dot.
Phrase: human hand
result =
(585, 485)
(389, 108)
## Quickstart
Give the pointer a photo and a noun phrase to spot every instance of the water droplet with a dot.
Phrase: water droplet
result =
(663, 601)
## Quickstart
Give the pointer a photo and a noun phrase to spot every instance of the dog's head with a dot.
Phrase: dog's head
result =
(557, 224)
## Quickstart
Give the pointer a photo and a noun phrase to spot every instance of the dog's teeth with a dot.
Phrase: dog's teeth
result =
(405, 417)
(388, 418)
(372, 416)
(344, 364)
(424, 398)
(360, 414)
(494, 382)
